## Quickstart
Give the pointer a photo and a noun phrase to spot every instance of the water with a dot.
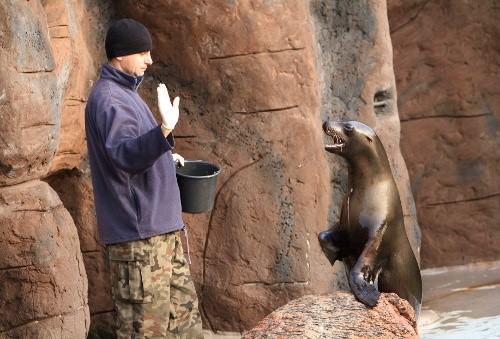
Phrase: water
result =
(461, 302)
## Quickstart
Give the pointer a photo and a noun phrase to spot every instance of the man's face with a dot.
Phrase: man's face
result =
(134, 64)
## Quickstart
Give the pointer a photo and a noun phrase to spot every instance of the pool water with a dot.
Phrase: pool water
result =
(461, 302)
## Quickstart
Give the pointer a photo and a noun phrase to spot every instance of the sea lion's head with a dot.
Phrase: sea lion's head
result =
(349, 137)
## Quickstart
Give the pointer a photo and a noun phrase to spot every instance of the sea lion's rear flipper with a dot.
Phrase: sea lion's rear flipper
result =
(331, 242)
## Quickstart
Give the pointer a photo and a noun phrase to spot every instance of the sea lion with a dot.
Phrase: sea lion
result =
(370, 238)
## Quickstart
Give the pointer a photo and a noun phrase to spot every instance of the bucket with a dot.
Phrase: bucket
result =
(197, 180)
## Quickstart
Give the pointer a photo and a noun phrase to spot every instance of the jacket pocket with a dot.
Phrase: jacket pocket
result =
(136, 203)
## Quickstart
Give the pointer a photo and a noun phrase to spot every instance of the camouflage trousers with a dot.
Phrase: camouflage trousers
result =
(153, 291)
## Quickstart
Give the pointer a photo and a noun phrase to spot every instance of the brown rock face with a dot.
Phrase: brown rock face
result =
(357, 80)
(246, 76)
(43, 86)
(75, 191)
(338, 315)
(449, 99)
(250, 89)
(45, 70)
(256, 78)
(66, 21)
(42, 279)
(28, 87)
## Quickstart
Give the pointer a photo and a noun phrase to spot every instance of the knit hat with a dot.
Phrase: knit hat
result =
(127, 36)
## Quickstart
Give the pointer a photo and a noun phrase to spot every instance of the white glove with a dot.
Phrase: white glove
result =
(169, 113)
(178, 159)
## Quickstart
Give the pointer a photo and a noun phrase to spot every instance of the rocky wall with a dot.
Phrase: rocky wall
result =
(354, 54)
(247, 79)
(42, 278)
(256, 79)
(446, 60)
(46, 70)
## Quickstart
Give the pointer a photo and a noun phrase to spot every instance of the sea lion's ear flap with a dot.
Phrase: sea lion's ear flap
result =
(370, 139)
(348, 128)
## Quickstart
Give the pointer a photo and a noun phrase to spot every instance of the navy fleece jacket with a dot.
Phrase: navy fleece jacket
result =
(136, 194)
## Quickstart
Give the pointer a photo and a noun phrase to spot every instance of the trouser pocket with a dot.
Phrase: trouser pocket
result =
(184, 314)
(130, 273)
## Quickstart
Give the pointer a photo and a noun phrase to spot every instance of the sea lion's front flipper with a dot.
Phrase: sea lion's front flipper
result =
(362, 289)
(365, 271)
(331, 244)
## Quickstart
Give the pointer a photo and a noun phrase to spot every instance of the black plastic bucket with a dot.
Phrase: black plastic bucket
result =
(197, 181)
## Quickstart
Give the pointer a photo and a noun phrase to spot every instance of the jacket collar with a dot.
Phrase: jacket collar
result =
(126, 80)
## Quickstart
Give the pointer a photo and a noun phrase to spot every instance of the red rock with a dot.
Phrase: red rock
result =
(75, 191)
(73, 27)
(29, 116)
(256, 79)
(447, 77)
(42, 279)
(252, 101)
(338, 315)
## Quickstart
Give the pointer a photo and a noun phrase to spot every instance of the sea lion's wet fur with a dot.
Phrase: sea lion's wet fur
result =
(370, 238)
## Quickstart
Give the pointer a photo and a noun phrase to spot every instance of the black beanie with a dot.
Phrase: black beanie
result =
(127, 36)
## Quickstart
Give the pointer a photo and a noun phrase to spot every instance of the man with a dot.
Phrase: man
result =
(136, 195)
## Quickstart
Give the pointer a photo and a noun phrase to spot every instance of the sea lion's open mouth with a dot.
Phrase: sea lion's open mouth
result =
(338, 142)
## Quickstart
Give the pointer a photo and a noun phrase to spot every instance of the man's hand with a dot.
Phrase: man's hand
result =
(169, 112)
(178, 159)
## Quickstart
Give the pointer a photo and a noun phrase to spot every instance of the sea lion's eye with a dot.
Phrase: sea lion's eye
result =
(348, 128)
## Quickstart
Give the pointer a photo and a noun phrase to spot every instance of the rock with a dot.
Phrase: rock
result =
(42, 279)
(44, 86)
(73, 81)
(251, 90)
(253, 97)
(29, 105)
(47, 63)
(447, 78)
(358, 83)
(247, 79)
(75, 191)
(338, 315)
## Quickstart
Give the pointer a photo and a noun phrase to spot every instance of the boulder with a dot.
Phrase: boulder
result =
(338, 315)
(29, 99)
(42, 279)
(75, 191)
